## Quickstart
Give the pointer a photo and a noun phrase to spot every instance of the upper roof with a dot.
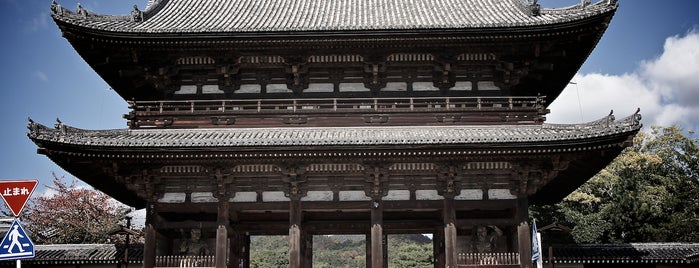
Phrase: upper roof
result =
(218, 16)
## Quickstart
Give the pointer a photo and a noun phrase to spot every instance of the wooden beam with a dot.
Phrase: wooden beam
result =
(335, 206)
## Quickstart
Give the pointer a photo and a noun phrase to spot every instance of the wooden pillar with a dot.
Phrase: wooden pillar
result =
(234, 251)
(149, 237)
(307, 248)
(367, 249)
(246, 251)
(149, 247)
(524, 234)
(222, 233)
(295, 241)
(377, 256)
(384, 249)
(438, 248)
(450, 254)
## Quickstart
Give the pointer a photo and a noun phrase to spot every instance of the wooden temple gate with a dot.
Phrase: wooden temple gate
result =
(309, 117)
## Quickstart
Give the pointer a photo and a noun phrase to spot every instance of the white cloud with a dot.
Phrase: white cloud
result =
(665, 88)
(41, 76)
(39, 22)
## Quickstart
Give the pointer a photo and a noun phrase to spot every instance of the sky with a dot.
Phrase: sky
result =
(647, 59)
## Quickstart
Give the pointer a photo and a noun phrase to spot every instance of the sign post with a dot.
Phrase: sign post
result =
(16, 244)
(16, 194)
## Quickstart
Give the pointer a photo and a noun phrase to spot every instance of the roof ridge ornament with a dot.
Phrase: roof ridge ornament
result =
(56, 8)
(584, 3)
(535, 8)
(136, 15)
(81, 11)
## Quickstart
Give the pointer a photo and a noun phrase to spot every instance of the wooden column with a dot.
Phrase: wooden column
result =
(438, 248)
(524, 233)
(450, 253)
(367, 249)
(384, 249)
(222, 232)
(234, 251)
(149, 237)
(246, 251)
(377, 256)
(295, 241)
(307, 249)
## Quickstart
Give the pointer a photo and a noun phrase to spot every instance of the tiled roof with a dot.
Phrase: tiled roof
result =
(667, 253)
(176, 16)
(82, 254)
(336, 136)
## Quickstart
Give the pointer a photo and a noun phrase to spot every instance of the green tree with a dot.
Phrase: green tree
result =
(411, 255)
(269, 251)
(649, 193)
(73, 214)
(409, 250)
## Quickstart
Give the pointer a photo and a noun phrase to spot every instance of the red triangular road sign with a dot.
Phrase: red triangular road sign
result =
(16, 193)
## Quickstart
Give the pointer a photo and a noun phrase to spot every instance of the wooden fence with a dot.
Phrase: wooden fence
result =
(185, 261)
(488, 259)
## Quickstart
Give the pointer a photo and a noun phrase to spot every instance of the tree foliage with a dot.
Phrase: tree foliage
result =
(344, 251)
(650, 193)
(73, 214)
(269, 251)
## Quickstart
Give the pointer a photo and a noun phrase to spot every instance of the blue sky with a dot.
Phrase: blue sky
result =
(649, 58)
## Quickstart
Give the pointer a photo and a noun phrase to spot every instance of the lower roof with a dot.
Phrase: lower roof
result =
(290, 137)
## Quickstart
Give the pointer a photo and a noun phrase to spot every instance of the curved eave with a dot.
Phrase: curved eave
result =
(529, 138)
(191, 18)
(76, 150)
(568, 43)
(499, 31)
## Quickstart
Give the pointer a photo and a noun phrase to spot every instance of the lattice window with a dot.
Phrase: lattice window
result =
(182, 169)
(336, 58)
(256, 169)
(195, 61)
(489, 165)
(410, 57)
(413, 166)
(261, 59)
(334, 168)
(476, 57)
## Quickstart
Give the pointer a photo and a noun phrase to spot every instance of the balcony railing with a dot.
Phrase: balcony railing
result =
(337, 111)
(333, 105)
(482, 260)
(185, 261)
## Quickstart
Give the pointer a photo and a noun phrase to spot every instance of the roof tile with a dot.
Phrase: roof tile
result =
(188, 16)
(341, 136)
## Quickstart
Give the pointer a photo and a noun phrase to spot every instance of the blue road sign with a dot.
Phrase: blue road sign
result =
(16, 244)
